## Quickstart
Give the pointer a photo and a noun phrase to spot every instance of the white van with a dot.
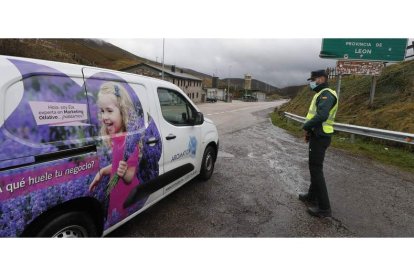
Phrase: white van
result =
(83, 149)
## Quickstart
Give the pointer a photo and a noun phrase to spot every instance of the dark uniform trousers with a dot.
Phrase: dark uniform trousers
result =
(317, 188)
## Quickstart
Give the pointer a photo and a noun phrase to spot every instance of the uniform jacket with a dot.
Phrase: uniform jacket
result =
(324, 103)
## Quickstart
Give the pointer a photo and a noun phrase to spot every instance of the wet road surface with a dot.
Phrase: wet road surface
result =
(260, 170)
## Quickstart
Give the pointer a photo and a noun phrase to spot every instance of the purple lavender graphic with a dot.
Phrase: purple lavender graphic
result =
(44, 84)
(151, 154)
(17, 212)
(21, 138)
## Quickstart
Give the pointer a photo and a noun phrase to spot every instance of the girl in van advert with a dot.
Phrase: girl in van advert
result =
(118, 118)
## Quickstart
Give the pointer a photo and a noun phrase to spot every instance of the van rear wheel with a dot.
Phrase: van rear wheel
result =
(207, 165)
(69, 225)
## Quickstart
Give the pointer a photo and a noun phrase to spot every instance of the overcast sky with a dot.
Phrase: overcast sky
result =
(279, 62)
(282, 59)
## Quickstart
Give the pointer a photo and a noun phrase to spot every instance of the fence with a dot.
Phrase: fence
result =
(331, 71)
(388, 135)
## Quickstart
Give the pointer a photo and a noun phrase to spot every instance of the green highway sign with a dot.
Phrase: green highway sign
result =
(375, 49)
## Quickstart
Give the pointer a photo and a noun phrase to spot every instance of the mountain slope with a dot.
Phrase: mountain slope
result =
(256, 84)
(95, 52)
(80, 51)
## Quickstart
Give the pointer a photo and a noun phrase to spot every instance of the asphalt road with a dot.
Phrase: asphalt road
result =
(253, 192)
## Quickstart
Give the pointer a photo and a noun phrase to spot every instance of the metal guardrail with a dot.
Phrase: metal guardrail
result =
(401, 137)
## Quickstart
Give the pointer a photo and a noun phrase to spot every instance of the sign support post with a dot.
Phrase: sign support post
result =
(373, 86)
(338, 85)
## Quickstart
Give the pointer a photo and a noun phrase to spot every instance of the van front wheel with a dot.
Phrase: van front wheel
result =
(69, 225)
(207, 165)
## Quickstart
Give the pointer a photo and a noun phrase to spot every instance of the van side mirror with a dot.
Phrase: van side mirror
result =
(199, 118)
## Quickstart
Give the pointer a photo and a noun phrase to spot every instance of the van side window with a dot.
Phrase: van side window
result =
(175, 108)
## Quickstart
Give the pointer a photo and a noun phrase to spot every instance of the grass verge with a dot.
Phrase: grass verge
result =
(402, 158)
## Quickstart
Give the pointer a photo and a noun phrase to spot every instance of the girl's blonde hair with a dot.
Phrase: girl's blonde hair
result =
(123, 100)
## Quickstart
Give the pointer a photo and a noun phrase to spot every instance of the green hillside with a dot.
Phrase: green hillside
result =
(393, 107)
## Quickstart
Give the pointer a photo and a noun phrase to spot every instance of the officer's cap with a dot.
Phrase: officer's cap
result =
(317, 74)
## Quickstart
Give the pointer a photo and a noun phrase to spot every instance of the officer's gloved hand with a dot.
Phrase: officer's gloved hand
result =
(307, 136)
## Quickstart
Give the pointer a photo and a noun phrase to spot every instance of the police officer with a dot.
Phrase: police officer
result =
(318, 130)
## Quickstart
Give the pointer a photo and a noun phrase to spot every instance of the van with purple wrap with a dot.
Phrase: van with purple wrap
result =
(83, 149)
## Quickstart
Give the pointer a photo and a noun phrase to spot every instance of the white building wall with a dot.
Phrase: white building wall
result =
(261, 97)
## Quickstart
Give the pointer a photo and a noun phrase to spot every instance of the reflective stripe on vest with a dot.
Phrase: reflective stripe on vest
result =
(327, 126)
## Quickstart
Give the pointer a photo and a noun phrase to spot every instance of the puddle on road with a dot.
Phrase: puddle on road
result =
(225, 154)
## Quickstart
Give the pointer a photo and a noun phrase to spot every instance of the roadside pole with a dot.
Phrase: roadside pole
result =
(373, 86)
(338, 85)
(163, 51)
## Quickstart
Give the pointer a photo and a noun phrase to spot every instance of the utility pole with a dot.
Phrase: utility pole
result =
(163, 51)
(228, 85)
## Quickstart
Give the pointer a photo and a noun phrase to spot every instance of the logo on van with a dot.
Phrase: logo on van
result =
(190, 151)
(192, 146)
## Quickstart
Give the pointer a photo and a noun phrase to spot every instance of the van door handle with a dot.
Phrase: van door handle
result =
(170, 137)
(152, 140)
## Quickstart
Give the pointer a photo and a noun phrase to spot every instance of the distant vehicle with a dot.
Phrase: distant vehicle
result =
(249, 98)
(211, 99)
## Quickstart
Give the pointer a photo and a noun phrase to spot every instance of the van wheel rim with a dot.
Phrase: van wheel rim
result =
(73, 231)
(209, 162)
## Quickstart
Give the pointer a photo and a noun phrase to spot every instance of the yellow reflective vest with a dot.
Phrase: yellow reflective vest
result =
(327, 126)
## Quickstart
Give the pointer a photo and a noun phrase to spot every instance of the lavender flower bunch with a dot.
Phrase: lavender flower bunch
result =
(151, 154)
(135, 130)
